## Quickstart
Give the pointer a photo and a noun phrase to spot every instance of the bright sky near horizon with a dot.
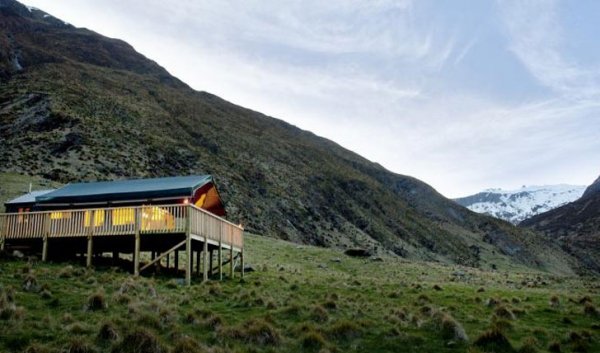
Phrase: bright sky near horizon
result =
(464, 95)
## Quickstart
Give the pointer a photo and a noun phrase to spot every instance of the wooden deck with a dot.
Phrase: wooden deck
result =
(161, 229)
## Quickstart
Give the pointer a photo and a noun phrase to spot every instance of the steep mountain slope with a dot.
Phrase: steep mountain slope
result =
(82, 106)
(517, 205)
(575, 225)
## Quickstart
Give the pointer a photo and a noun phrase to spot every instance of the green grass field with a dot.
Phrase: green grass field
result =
(300, 298)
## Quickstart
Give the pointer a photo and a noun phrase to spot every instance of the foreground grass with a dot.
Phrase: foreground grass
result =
(299, 298)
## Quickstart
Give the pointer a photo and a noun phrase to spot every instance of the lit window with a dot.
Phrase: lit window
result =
(60, 215)
(122, 216)
(98, 218)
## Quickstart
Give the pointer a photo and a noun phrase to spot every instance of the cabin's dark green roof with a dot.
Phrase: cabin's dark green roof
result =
(28, 198)
(126, 190)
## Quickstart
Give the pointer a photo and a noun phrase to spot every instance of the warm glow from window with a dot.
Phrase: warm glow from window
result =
(98, 218)
(122, 216)
(200, 201)
(157, 218)
(60, 215)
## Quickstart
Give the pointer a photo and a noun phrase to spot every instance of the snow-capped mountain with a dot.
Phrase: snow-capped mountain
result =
(517, 205)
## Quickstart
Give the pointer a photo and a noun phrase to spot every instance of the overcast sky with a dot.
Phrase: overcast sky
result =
(464, 95)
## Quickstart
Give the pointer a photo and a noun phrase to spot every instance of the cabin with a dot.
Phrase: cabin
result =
(157, 217)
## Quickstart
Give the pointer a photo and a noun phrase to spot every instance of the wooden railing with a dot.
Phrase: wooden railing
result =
(118, 221)
(215, 228)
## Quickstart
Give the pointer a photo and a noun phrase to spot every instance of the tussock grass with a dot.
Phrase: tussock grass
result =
(504, 313)
(256, 331)
(312, 341)
(319, 314)
(138, 341)
(365, 318)
(494, 340)
(97, 301)
(448, 327)
(108, 332)
(344, 330)
(590, 310)
(187, 344)
(79, 346)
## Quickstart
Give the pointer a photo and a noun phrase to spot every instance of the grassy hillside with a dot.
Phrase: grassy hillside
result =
(80, 106)
(13, 185)
(301, 298)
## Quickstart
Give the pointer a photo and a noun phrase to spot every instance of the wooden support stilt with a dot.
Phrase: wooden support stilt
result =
(198, 252)
(176, 261)
(231, 262)
(168, 258)
(210, 263)
(45, 248)
(242, 262)
(220, 258)
(205, 264)
(45, 239)
(88, 262)
(188, 255)
(136, 250)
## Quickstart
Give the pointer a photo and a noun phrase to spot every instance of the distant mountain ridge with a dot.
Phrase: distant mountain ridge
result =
(516, 205)
(575, 226)
(80, 106)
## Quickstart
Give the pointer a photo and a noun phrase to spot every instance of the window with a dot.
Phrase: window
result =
(98, 218)
(60, 215)
(123, 216)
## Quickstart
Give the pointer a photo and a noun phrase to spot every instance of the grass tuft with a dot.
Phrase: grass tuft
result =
(96, 301)
(504, 313)
(554, 347)
(139, 341)
(590, 310)
(319, 314)
(344, 330)
(187, 344)
(554, 301)
(255, 331)
(108, 332)
(313, 341)
(494, 341)
(79, 346)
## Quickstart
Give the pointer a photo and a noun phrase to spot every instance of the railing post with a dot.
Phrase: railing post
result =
(188, 246)
(136, 250)
(89, 238)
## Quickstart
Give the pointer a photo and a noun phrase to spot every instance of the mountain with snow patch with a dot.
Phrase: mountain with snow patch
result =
(517, 205)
